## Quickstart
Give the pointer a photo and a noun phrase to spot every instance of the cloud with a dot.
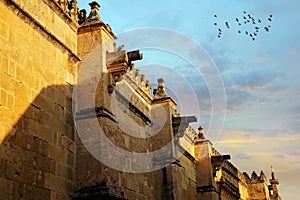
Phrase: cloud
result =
(294, 152)
(242, 156)
(253, 79)
(236, 98)
(294, 51)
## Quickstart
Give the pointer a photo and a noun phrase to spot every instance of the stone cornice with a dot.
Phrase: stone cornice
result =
(29, 19)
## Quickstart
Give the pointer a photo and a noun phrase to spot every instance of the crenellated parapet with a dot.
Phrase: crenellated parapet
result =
(258, 179)
(69, 7)
(140, 80)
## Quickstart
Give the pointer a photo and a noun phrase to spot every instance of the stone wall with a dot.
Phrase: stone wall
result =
(38, 67)
(41, 154)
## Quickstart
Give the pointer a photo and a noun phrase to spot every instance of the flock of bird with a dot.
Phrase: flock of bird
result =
(254, 25)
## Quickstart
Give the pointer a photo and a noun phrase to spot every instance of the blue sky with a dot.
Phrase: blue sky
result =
(261, 77)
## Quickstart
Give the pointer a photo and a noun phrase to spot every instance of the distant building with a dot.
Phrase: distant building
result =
(43, 45)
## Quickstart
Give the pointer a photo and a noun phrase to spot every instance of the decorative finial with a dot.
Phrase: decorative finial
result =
(201, 132)
(64, 4)
(81, 16)
(160, 91)
(94, 5)
(94, 16)
(272, 173)
(73, 12)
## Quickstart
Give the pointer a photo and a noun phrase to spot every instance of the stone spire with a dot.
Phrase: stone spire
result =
(94, 16)
(274, 192)
(262, 176)
(254, 176)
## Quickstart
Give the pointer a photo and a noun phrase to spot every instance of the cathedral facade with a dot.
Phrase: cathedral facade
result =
(69, 96)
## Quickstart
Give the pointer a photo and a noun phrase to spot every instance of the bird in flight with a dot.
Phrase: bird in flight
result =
(227, 24)
(247, 24)
(267, 29)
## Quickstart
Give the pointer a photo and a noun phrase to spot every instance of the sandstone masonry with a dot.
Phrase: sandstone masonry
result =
(43, 45)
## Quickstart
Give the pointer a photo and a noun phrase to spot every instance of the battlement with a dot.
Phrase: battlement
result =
(255, 178)
(69, 7)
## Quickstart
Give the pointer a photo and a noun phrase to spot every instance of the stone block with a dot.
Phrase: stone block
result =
(4, 64)
(3, 97)
(68, 144)
(12, 69)
(69, 120)
(4, 30)
(43, 163)
(70, 132)
(54, 195)
(35, 193)
(25, 175)
(70, 159)
(6, 189)
(59, 110)
(17, 190)
(23, 92)
(64, 171)
(43, 148)
(40, 179)
(2, 135)
(24, 76)
(27, 141)
(40, 130)
(57, 184)
(9, 84)
(57, 154)
(10, 102)
(37, 86)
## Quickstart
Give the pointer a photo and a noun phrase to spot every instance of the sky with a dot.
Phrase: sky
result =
(260, 77)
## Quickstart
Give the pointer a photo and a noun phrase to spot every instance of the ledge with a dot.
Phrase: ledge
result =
(206, 188)
(95, 112)
(96, 26)
(186, 153)
(132, 107)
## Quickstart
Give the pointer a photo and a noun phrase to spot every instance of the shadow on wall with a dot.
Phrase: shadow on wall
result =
(42, 158)
(38, 156)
